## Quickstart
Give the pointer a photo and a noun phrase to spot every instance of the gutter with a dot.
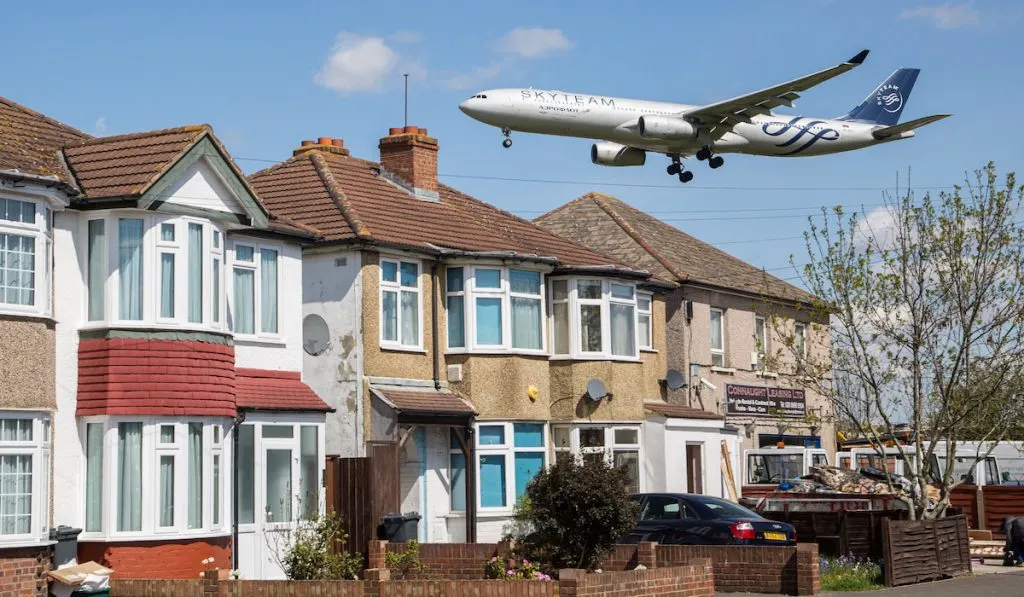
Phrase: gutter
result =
(608, 270)
(49, 181)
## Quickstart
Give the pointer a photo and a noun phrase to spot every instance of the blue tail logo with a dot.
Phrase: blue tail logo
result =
(885, 104)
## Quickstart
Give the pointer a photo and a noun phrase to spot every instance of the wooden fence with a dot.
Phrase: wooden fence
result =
(987, 506)
(923, 550)
(362, 490)
(846, 532)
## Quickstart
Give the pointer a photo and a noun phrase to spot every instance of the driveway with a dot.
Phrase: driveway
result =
(1010, 584)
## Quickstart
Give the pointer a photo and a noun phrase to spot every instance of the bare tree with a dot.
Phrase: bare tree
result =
(927, 325)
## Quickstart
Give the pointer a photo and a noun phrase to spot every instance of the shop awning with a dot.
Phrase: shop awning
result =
(426, 406)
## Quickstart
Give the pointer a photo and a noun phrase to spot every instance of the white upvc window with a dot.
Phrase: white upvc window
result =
(401, 304)
(593, 318)
(25, 244)
(644, 321)
(493, 308)
(255, 289)
(24, 477)
(800, 344)
(508, 456)
(762, 340)
(143, 269)
(155, 476)
(617, 445)
(717, 321)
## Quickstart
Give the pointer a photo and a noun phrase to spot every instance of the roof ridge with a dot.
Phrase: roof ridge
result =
(601, 202)
(140, 135)
(338, 196)
(42, 116)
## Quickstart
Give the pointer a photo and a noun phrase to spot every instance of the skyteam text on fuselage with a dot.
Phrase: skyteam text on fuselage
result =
(628, 128)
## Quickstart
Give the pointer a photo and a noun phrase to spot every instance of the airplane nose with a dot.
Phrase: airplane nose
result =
(464, 106)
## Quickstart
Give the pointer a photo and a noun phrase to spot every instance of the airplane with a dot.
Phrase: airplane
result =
(629, 128)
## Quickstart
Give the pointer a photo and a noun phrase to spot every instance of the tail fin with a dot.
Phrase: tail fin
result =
(885, 104)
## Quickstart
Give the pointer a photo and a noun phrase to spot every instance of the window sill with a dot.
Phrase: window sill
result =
(160, 326)
(24, 541)
(563, 357)
(650, 350)
(767, 374)
(247, 340)
(498, 352)
(7, 311)
(724, 370)
(400, 348)
(154, 536)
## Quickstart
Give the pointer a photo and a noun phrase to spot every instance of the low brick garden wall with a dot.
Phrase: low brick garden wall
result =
(23, 571)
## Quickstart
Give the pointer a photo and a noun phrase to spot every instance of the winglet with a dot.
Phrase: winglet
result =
(859, 58)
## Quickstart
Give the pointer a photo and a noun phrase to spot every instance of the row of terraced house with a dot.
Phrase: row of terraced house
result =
(183, 346)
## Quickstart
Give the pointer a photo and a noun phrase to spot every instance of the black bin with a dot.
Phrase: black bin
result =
(66, 548)
(399, 528)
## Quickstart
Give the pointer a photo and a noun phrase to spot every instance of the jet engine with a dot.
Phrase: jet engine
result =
(613, 154)
(666, 128)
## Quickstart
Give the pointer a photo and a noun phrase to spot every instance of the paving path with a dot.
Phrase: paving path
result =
(1010, 584)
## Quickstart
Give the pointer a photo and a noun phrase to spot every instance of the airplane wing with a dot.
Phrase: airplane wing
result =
(719, 118)
(898, 129)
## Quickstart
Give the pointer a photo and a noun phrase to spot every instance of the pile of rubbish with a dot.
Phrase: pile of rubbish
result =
(865, 481)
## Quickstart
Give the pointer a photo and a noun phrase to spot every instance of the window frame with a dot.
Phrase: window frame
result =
(721, 351)
(508, 449)
(800, 339)
(152, 451)
(645, 344)
(762, 340)
(397, 288)
(575, 313)
(39, 449)
(40, 231)
(610, 445)
(471, 292)
(230, 263)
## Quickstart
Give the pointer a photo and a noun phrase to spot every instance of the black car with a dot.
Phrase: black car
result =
(686, 519)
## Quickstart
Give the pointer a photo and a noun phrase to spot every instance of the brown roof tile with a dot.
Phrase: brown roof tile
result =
(29, 141)
(262, 389)
(613, 227)
(347, 199)
(126, 165)
(678, 411)
(425, 401)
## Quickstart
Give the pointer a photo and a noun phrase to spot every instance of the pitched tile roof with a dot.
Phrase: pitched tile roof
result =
(29, 141)
(611, 226)
(126, 165)
(424, 401)
(678, 411)
(348, 200)
(262, 389)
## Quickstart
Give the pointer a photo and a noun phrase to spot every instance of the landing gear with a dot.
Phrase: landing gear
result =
(703, 153)
(716, 162)
(685, 176)
(508, 140)
(676, 169)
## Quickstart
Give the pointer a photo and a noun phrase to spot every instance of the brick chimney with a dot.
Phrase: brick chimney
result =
(411, 155)
(322, 144)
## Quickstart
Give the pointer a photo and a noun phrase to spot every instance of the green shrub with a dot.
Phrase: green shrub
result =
(312, 551)
(573, 514)
(406, 563)
(850, 574)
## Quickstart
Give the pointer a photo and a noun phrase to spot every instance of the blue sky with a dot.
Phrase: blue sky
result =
(267, 75)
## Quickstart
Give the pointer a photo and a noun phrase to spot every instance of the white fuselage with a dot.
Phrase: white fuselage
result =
(616, 119)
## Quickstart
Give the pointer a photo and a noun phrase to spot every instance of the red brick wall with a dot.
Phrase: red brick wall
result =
(695, 580)
(753, 569)
(159, 559)
(23, 571)
(412, 157)
(126, 376)
(452, 561)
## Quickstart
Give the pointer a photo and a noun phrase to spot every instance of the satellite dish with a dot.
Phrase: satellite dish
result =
(596, 390)
(674, 379)
(316, 336)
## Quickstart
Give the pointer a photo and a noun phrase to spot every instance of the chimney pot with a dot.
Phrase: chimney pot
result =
(307, 142)
(338, 142)
(324, 141)
(395, 130)
(423, 131)
(411, 130)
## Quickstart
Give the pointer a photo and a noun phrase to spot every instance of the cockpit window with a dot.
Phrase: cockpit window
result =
(481, 96)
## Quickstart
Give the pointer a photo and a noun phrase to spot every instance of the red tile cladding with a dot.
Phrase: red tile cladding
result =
(263, 389)
(172, 559)
(127, 376)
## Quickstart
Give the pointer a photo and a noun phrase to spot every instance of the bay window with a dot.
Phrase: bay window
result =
(156, 471)
(717, 338)
(153, 270)
(400, 303)
(25, 233)
(24, 477)
(509, 456)
(254, 289)
(615, 445)
(596, 319)
(501, 307)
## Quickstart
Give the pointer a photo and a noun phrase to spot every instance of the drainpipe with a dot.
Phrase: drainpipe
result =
(434, 326)
(239, 419)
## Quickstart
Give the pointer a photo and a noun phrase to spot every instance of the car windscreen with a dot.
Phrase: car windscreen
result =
(773, 468)
(711, 508)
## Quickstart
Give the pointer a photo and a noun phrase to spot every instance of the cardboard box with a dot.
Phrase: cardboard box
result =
(76, 575)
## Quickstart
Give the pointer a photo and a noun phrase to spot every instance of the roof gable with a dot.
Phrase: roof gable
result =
(614, 227)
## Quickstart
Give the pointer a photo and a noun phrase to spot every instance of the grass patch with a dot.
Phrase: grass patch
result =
(850, 574)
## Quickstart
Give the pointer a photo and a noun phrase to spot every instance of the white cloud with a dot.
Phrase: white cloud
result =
(474, 78)
(358, 63)
(877, 228)
(406, 37)
(533, 42)
(945, 16)
(100, 128)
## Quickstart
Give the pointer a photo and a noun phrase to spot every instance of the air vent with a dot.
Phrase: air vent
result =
(454, 373)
